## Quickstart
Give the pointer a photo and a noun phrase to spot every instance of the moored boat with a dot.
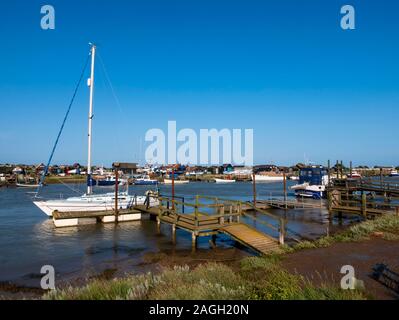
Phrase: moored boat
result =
(394, 173)
(169, 181)
(88, 201)
(355, 175)
(110, 181)
(312, 183)
(224, 180)
(145, 181)
(268, 178)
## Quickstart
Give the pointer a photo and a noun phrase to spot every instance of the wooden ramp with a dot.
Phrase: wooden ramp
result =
(251, 237)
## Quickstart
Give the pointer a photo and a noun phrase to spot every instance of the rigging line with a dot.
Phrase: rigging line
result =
(70, 188)
(45, 171)
(110, 83)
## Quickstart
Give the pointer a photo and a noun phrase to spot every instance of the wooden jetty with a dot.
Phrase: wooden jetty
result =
(225, 218)
(364, 198)
(289, 204)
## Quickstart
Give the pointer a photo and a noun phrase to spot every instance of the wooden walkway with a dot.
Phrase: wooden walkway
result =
(291, 204)
(251, 238)
(225, 219)
(340, 202)
(347, 185)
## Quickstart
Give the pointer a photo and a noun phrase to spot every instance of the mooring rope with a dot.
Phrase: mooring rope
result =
(45, 171)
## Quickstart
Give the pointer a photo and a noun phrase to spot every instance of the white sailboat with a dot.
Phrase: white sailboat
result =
(90, 201)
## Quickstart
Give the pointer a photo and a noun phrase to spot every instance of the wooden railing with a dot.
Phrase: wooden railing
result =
(281, 225)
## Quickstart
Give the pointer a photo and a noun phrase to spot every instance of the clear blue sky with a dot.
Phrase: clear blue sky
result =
(284, 68)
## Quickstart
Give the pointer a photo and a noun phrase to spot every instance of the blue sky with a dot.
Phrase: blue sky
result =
(284, 68)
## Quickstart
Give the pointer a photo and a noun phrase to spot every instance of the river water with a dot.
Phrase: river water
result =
(29, 240)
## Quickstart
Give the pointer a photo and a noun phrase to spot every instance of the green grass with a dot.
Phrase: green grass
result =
(258, 278)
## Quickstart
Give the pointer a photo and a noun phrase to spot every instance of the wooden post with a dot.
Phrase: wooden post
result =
(158, 225)
(342, 169)
(173, 233)
(328, 172)
(254, 186)
(350, 168)
(381, 180)
(222, 213)
(282, 232)
(337, 169)
(173, 188)
(193, 241)
(116, 192)
(364, 204)
(213, 241)
(285, 190)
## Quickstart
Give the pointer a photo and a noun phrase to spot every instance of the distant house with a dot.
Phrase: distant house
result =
(126, 167)
(6, 169)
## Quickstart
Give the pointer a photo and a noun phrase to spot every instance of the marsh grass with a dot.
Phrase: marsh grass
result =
(258, 278)
(387, 225)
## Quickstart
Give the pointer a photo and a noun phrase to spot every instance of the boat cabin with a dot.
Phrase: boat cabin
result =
(312, 175)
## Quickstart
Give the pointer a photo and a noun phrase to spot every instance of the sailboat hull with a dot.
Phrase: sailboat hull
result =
(101, 203)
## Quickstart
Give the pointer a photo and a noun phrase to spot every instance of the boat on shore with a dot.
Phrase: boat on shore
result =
(225, 180)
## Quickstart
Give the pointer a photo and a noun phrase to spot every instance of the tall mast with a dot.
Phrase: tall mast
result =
(91, 85)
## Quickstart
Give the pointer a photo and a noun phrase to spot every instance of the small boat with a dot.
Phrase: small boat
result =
(169, 181)
(27, 185)
(110, 181)
(145, 181)
(268, 178)
(355, 175)
(312, 183)
(394, 173)
(224, 180)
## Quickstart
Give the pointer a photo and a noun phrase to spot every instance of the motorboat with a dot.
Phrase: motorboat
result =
(394, 173)
(312, 183)
(355, 175)
(145, 181)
